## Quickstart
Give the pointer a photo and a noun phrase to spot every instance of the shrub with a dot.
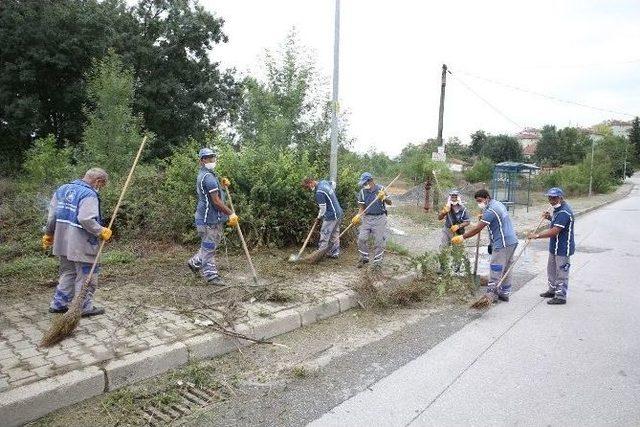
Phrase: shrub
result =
(482, 171)
(46, 164)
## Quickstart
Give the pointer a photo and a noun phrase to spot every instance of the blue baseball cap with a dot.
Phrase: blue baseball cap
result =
(206, 152)
(454, 192)
(555, 192)
(364, 178)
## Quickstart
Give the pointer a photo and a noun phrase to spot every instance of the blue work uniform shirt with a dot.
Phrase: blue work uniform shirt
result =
(68, 199)
(206, 212)
(365, 197)
(564, 243)
(453, 217)
(326, 198)
(501, 232)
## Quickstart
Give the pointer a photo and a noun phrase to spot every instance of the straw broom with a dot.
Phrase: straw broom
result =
(317, 255)
(487, 299)
(62, 326)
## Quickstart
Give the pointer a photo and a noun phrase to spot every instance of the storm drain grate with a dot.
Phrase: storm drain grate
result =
(188, 400)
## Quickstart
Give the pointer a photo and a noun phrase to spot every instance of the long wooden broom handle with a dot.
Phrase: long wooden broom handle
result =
(475, 264)
(304, 245)
(113, 216)
(370, 204)
(244, 243)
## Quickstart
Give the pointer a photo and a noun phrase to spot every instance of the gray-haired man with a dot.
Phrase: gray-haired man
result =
(73, 228)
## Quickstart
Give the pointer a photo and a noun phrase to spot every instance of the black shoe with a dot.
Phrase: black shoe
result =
(215, 280)
(95, 311)
(58, 310)
(504, 298)
(556, 301)
(362, 263)
(548, 294)
(193, 267)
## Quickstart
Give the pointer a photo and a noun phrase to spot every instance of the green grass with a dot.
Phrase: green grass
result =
(32, 266)
(118, 256)
(397, 248)
(299, 372)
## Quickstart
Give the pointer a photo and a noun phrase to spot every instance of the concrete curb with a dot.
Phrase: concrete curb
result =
(23, 404)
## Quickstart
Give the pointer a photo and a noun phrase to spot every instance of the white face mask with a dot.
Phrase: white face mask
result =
(557, 205)
(210, 166)
(368, 186)
(482, 205)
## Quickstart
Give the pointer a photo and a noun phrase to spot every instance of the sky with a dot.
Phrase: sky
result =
(391, 56)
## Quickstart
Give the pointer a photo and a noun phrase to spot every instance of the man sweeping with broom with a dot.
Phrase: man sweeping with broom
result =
(74, 225)
(211, 214)
(503, 241)
(372, 218)
(330, 211)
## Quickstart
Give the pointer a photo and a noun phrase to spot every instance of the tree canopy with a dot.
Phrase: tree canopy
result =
(47, 48)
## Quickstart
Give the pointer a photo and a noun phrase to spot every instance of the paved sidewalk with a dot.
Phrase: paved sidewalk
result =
(120, 332)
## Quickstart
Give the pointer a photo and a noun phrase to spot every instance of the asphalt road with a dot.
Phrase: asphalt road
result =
(528, 363)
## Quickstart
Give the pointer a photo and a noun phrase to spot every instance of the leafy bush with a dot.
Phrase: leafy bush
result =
(46, 164)
(482, 171)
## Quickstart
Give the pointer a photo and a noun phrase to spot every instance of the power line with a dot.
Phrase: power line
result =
(494, 108)
(551, 97)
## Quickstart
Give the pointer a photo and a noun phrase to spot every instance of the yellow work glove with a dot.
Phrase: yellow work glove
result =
(446, 209)
(356, 220)
(381, 195)
(105, 234)
(457, 240)
(47, 241)
(454, 228)
(233, 220)
(225, 182)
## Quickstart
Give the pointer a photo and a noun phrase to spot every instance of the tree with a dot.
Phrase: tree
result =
(547, 147)
(290, 108)
(616, 151)
(183, 93)
(455, 148)
(572, 146)
(634, 137)
(48, 46)
(502, 148)
(113, 132)
(478, 139)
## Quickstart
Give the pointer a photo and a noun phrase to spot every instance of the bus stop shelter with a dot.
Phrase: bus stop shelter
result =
(507, 185)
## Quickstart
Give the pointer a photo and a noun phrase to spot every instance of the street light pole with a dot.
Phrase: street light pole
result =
(591, 168)
(333, 161)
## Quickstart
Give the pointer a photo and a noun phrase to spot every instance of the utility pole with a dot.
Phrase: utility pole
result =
(591, 168)
(624, 166)
(441, 113)
(333, 161)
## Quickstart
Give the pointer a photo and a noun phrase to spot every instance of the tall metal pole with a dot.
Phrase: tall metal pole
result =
(591, 169)
(624, 167)
(333, 161)
(441, 113)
